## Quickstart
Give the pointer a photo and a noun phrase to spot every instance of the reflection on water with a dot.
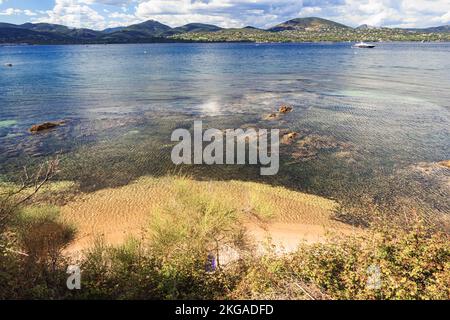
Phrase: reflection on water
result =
(390, 105)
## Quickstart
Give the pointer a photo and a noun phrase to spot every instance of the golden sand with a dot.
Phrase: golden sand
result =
(287, 217)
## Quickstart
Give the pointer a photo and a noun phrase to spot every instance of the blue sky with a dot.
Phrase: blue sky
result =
(100, 14)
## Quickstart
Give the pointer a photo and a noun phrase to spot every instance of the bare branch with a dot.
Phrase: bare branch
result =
(40, 180)
(11, 200)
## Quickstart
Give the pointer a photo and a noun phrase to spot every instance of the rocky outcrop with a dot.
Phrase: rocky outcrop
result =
(286, 109)
(45, 126)
(290, 137)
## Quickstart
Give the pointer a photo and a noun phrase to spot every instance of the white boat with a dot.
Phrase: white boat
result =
(363, 45)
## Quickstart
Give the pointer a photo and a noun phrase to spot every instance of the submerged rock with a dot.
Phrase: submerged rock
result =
(304, 154)
(45, 126)
(346, 156)
(436, 173)
(289, 137)
(272, 116)
(319, 142)
(286, 109)
(309, 147)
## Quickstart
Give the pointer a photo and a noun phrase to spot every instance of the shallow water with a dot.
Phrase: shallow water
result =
(390, 105)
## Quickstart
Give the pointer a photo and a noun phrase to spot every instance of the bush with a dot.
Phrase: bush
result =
(133, 272)
(31, 262)
(411, 264)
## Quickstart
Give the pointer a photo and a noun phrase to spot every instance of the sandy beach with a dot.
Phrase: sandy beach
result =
(286, 217)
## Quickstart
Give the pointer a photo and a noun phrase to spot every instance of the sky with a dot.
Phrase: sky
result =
(101, 14)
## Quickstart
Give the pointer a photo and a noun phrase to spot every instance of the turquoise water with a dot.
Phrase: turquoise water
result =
(390, 105)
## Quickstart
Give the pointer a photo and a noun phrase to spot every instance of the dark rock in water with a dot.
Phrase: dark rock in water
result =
(286, 109)
(45, 126)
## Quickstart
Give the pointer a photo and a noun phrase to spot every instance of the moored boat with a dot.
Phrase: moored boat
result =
(364, 45)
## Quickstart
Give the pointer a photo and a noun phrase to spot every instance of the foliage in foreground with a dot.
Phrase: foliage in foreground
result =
(387, 263)
(392, 264)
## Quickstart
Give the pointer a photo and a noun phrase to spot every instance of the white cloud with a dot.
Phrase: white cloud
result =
(398, 13)
(122, 16)
(74, 13)
(226, 13)
(237, 13)
(29, 13)
(12, 12)
(265, 13)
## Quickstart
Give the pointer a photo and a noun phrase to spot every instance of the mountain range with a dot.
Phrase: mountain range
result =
(154, 31)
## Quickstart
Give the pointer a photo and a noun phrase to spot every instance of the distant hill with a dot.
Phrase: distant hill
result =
(8, 25)
(148, 31)
(433, 29)
(301, 29)
(305, 24)
(251, 28)
(195, 27)
(20, 35)
(84, 34)
(150, 28)
(366, 27)
(45, 33)
(45, 27)
(111, 30)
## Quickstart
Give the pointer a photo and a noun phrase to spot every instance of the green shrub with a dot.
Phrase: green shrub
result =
(133, 272)
(412, 264)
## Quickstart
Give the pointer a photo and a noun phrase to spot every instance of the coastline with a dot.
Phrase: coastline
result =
(213, 42)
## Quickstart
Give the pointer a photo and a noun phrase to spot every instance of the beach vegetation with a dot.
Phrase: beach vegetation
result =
(180, 255)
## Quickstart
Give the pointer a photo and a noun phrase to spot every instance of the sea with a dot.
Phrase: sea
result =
(372, 124)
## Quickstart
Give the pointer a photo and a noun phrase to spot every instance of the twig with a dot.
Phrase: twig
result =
(17, 252)
(52, 169)
(36, 182)
(304, 291)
